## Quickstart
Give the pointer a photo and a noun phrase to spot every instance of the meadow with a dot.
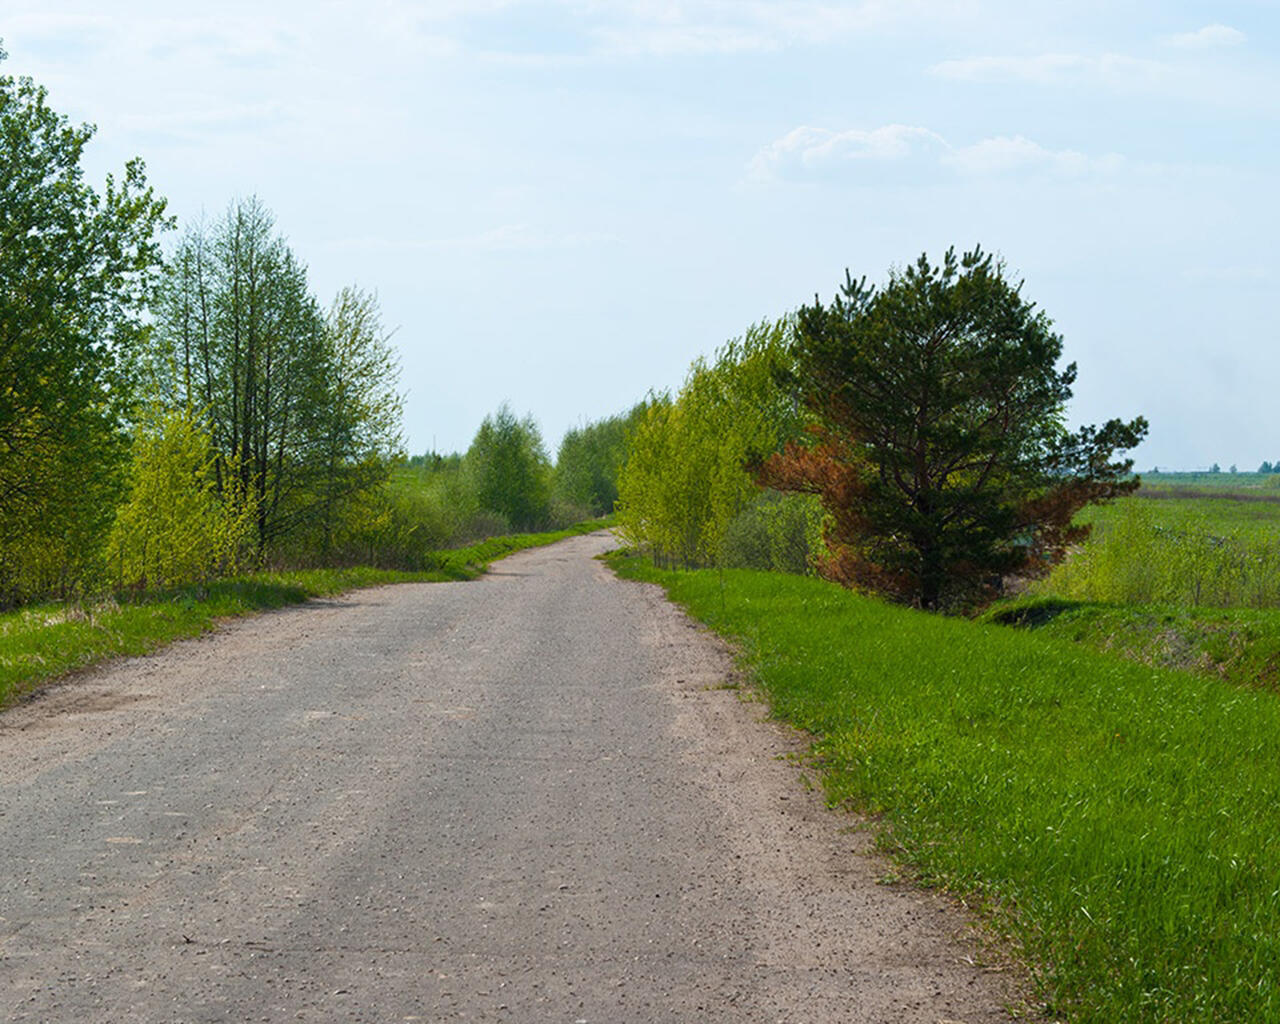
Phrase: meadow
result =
(1187, 546)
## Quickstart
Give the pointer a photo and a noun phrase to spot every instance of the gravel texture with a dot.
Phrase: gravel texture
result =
(527, 798)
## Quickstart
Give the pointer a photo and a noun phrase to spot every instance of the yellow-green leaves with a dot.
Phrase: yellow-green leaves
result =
(685, 478)
(174, 528)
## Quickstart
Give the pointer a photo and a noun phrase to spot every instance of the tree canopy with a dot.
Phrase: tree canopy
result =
(590, 460)
(685, 479)
(937, 441)
(301, 406)
(76, 269)
(510, 469)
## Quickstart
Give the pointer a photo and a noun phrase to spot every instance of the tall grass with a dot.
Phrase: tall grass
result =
(1119, 821)
(1144, 552)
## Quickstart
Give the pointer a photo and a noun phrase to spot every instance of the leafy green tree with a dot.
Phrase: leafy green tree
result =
(589, 461)
(685, 478)
(174, 528)
(76, 268)
(938, 446)
(359, 429)
(302, 407)
(512, 473)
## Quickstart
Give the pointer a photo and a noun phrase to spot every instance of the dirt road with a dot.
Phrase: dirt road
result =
(521, 799)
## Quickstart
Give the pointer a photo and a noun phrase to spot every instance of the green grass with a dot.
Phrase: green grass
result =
(1209, 552)
(1206, 481)
(42, 642)
(1239, 645)
(1118, 821)
(1205, 511)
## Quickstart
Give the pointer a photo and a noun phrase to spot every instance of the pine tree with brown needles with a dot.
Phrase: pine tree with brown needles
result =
(937, 441)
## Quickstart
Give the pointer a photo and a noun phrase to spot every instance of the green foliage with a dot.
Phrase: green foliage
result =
(589, 462)
(301, 406)
(1176, 552)
(359, 424)
(685, 479)
(782, 532)
(1117, 820)
(510, 469)
(76, 267)
(400, 524)
(174, 528)
(1239, 645)
(938, 448)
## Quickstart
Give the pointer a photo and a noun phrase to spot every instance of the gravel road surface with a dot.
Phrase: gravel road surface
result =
(527, 798)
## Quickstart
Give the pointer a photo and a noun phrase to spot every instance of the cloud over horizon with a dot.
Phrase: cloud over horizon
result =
(1208, 38)
(818, 154)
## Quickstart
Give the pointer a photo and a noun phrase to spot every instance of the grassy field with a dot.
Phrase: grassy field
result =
(1205, 481)
(1209, 549)
(1187, 579)
(1239, 645)
(1117, 821)
(42, 642)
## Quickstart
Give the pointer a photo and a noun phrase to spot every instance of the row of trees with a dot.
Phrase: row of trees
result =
(512, 477)
(300, 403)
(927, 417)
(163, 418)
(686, 491)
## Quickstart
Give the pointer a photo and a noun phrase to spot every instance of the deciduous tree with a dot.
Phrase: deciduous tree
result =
(301, 407)
(589, 461)
(76, 268)
(173, 527)
(510, 469)
(685, 478)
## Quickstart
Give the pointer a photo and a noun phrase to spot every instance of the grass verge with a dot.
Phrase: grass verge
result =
(1116, 820)
(1239, 645)
(42, 642)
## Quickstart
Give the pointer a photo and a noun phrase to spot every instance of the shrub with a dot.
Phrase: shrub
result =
(173, 529)
(782, 532)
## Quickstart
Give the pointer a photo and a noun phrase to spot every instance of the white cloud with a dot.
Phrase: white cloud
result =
(694, 27)
(1005, 155)
(683, 40)
(817, 152)
(1210, 37)
(1056, 68)
(807, 153)
(666, 28)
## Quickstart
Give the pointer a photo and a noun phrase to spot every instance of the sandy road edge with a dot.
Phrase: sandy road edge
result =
(763, 770)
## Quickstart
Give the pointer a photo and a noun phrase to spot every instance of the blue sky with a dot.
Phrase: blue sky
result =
(562, 203)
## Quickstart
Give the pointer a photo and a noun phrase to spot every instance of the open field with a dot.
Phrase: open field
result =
(1206, 481)
(41, 642)
(1118, 821)
(1213, 551)
(1187, 579)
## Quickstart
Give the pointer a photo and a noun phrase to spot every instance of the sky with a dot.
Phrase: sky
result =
(561, 203)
